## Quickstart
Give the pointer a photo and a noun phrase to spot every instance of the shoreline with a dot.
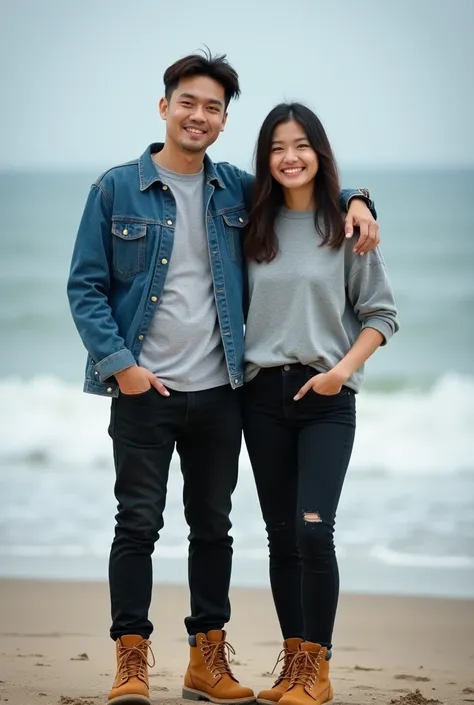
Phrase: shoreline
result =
(360, 575)
(385, 647)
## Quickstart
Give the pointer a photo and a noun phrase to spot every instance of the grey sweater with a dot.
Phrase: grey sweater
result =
(310, 304)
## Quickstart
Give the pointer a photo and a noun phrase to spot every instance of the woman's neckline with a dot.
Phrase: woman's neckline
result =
(296, 215)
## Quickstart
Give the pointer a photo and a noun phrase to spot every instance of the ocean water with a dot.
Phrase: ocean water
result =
(406, 518)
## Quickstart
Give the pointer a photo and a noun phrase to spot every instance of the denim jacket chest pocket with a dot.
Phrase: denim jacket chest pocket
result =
(234, 229)
(129, 248)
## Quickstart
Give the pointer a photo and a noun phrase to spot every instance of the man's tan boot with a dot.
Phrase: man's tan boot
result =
(287, 654)
(208, 676)
(309, 682)
(131, 685)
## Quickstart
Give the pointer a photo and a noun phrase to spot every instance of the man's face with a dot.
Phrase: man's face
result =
(195, 113)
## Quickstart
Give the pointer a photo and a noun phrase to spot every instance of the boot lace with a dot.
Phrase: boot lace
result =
(287, 657)
(305, 670)
(217, 656)
(133, 660)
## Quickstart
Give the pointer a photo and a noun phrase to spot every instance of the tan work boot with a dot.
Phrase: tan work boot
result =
(309, 682)
(131, 685)
(208, 676)
(287, 654)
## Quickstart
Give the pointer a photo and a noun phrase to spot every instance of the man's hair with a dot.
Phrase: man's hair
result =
(216, 67)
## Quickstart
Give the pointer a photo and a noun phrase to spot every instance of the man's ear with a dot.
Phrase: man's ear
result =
(224, 121)
(163, 108)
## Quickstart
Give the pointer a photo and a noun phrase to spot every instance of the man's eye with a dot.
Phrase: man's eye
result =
(186, 103)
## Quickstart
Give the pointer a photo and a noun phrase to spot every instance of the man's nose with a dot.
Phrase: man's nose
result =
(198, 114)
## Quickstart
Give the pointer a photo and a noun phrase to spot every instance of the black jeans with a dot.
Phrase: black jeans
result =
(206, 428)
(299, 453)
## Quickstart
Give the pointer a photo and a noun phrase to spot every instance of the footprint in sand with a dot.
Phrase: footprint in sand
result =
(415, 698)
(413, 679)
(366, 668)
(364, 687)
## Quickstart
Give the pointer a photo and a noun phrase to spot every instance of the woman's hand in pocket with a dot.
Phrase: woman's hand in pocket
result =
(325, 383)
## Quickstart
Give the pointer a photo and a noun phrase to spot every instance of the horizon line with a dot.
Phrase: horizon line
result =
(88, 168)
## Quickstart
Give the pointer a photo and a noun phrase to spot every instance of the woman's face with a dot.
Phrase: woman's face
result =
(293, 162)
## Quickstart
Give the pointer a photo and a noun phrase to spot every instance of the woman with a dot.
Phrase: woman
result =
(317, 312)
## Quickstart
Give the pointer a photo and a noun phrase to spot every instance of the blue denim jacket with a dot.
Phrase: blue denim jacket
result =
(121, 256)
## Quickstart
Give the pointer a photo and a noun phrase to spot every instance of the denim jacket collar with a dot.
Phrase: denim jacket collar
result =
(148, 173)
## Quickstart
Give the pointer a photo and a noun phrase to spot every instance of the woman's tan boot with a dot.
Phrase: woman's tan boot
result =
(309, 683)
(287, 654)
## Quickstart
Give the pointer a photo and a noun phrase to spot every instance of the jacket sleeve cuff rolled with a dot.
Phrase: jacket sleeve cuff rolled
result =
(116, 362)
(362, 195)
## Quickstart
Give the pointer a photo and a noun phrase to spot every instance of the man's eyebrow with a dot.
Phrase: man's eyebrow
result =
(190, 96)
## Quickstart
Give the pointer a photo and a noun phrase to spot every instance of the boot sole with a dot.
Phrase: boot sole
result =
(190, 694)
(130, 700)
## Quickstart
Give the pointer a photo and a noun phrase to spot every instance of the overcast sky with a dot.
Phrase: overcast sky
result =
(391, 79)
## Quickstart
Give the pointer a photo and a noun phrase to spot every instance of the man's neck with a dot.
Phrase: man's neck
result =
(178, 161)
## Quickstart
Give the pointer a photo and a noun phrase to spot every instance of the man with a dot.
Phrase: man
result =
(156, 292)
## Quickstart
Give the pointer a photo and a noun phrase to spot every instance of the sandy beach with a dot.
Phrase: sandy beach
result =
(55, 649)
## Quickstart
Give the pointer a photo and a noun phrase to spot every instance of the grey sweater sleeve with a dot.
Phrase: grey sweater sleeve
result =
(371, 295)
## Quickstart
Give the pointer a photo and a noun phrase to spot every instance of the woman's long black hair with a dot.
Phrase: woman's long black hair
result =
(260, 241)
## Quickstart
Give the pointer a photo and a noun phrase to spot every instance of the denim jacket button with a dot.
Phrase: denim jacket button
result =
(125, 232)
(241, 220)
(286, 368)
(140, 337)
(154, 299)
(164, 261)
(164, 187)
(109, 389)
(169, 222)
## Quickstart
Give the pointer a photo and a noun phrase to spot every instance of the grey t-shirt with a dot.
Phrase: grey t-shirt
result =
(183, 346)
(310, 303)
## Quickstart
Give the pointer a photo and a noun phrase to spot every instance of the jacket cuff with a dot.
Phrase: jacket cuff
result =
(114, 363)
(363, 194)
